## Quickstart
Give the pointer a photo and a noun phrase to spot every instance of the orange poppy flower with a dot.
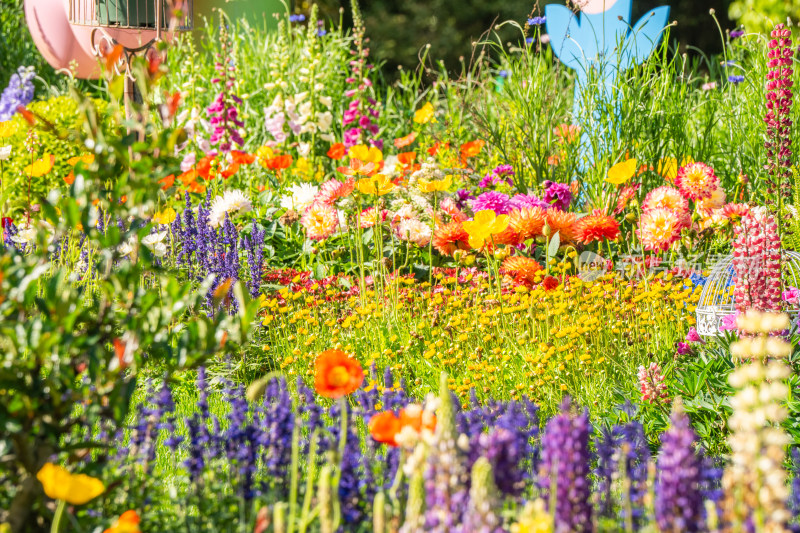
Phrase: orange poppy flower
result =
(203, 167)
(113, 56)
(433, 150)
(337, 374)
(279, 162)
(337, 151)
(197, 188)
(173, 102)
(471, 148)
(69, 179)
(230, 171)
(242, 158)
(167, 182)
(406, 158)
(357, 168)
(402, 142)
(384, 426)
(128, 522)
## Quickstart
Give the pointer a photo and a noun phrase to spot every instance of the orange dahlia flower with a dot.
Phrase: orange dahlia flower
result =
(320, 221)
(696, 181)
(735, 212)
(658, 229)
(527, 222)
(337, 374)
(523, 269)
(563, 223)
(596, 228)
(450, 237)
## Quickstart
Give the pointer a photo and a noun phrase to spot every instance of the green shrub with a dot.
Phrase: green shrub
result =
(61, 111)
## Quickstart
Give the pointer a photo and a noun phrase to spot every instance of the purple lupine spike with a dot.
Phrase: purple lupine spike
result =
(101, 222)
(794, 498)
(356, 492)
(189, 235)
(635, 451)
(606, 469)
(165, 407)
(565, 467)
(678, 496)
(307, 404)
(255, 259)
(446, 474)
(276, 434)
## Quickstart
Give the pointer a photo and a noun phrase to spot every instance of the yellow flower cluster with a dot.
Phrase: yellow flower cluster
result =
(579, 338)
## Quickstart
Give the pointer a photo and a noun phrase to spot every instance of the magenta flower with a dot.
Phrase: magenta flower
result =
(496, 201)
(693, 336)
(728, 322)
(791, 296)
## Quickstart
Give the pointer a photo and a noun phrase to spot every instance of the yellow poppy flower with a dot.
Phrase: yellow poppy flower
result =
(167, 216)
(6, 129)
(366, 154)
(40, 167)
(75, 489)
(622, 172)
(379, 184)
(424, 114)
(86, 159)
(483, 226)
(434, 185)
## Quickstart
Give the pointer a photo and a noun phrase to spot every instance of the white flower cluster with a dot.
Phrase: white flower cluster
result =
(755, 482)
(300, 114)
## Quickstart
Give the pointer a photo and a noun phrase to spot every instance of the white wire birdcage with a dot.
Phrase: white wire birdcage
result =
(130, 14)
(717, 299)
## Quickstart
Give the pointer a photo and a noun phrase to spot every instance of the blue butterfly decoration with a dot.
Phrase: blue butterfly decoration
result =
(598, 46)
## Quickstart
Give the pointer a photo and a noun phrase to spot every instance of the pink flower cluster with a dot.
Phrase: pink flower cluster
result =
(779, 103)
(223, 115)
(651, 384)
(362, 111)
(757, 263)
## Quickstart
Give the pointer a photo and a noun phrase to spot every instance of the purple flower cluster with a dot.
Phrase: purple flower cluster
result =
(223, 114)
(499, 176)
(565, 469)
(679, 501)
(508, 446)
(18, 93)
(522, 201)
(557, 195)
(203, 250)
